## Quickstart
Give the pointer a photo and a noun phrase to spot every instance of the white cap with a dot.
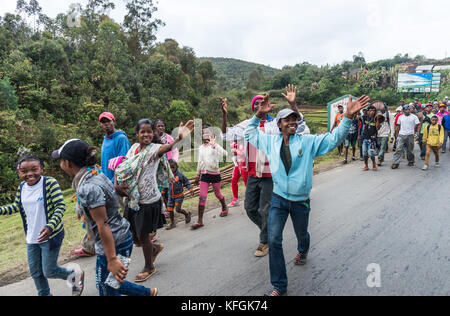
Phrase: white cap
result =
(287, 112)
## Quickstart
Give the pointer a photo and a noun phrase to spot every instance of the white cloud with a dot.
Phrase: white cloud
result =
(286, 32)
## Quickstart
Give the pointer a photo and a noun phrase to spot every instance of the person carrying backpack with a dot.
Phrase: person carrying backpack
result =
(433, 138)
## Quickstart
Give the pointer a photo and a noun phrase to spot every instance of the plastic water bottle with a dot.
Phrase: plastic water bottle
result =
(111, 281)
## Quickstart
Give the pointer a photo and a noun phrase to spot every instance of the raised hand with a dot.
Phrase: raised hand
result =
(354, 107)
(212, 140)
(224, 105)
(185, 130)
(291, 94)
(264, 108)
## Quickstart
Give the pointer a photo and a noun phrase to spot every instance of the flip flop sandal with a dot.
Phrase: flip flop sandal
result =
(147, 276)
(196, 226)
(82, 253)
(155, 292)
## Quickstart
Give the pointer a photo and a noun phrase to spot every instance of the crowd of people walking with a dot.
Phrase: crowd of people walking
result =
(274, 157)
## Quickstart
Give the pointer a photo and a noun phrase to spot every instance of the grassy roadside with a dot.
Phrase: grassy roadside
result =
(13, 258)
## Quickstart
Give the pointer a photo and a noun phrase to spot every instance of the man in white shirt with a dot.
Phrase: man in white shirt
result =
(407, 126)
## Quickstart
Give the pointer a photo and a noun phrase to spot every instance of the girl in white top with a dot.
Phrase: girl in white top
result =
(208, 173)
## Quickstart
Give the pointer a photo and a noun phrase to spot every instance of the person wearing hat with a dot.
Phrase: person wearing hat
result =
(259, 183)
(291, 157)
(446, 124)
(369, 135)
(417, 105)
(115, 142)
(441, 114)
(425, 120)
(337, 120)
(97, 199)
(434, 139)
(406, 127)
(398, 113)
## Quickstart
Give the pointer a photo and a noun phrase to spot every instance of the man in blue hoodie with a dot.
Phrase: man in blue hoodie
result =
(291, 158)
(115, 142)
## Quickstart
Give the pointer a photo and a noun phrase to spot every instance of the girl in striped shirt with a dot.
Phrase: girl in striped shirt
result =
(41, 205)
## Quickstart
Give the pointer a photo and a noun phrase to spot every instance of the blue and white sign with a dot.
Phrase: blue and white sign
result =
(414, 82)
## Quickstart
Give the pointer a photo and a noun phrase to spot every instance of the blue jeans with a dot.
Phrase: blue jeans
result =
(42, 263)
(280, 209)
(384, 145)
(369, 147)
(446, 136)
(422, 146)
(126, 288)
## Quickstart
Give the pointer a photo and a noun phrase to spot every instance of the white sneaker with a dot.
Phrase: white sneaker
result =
(438, 165)
(425, 167)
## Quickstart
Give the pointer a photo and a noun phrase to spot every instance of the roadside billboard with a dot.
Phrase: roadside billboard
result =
(415, 83)
(436, 82)
(333, 108)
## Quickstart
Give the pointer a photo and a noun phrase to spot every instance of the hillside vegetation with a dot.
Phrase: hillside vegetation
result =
(235, 74)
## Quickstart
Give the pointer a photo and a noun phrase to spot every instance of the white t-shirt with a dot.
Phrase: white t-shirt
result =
(408, 124)
(33, 205)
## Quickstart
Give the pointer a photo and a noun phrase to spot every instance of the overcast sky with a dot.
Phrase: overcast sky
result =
(287, 32)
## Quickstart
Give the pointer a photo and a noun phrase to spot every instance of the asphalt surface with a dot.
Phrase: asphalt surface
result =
(372, 233)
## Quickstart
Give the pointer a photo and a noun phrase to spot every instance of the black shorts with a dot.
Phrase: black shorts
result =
(211, 178)
(351, 140)
(147, 220)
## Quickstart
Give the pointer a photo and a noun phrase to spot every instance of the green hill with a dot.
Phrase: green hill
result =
(233, 73)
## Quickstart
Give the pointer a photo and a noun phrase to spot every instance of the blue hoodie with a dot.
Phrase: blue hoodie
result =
(295, 186)
(115, 145)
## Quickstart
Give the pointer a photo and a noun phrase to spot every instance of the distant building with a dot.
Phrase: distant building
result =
(443, 67)
(406, 68)
(424, 69)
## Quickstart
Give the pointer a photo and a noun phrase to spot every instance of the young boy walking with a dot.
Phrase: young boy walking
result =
(291, 159)
(176, 195)
(433, 138)
(369, 138)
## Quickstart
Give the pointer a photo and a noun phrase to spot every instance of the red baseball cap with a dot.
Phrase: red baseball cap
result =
(107, 115)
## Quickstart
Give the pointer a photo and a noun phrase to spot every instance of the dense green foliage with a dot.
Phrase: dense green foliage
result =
(56, 78)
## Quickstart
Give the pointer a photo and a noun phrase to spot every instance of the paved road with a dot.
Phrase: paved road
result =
(398, 220)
